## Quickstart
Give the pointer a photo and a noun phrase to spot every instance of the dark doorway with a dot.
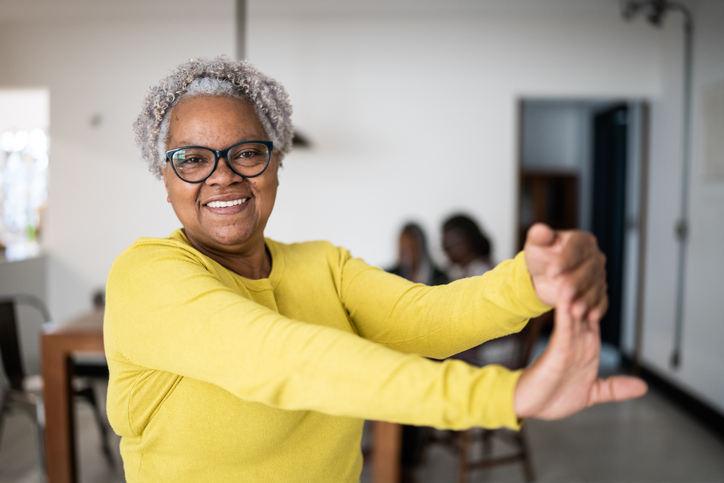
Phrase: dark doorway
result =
(583, 164)
(610, 130)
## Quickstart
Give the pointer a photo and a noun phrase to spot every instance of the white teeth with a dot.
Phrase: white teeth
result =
(224, 204)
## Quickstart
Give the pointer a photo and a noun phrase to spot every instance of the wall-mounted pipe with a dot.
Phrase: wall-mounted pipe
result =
(655, 10)
(240, 29)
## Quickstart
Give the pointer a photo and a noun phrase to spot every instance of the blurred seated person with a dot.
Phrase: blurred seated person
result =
(468, 250)
(466, 246)
(413, 259)
(415, 264)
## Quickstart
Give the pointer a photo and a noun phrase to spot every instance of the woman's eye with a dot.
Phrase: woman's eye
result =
(189, 161)
(249, 153)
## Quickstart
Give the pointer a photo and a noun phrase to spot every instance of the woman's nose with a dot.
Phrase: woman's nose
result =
(223, 175)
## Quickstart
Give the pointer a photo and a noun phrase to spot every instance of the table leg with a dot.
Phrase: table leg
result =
(59, 414)
(386, 452)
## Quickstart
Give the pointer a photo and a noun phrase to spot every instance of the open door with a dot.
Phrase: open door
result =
(610, 143)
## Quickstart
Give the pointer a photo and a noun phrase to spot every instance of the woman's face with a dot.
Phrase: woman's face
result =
(456, 245)
(217, 123)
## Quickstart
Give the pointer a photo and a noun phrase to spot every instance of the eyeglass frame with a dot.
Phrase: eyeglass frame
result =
(223, 153)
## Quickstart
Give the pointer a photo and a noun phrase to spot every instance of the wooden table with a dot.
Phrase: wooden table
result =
(85, 334)
(58, 344)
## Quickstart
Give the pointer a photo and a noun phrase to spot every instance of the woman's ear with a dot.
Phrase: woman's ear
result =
(278, 167)
(165, 182)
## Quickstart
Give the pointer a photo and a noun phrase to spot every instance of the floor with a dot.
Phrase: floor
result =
(640, 441)
(18, 454)
(647, 440)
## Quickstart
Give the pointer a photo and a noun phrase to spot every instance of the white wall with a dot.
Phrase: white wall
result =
(413, 111)
(703, 333)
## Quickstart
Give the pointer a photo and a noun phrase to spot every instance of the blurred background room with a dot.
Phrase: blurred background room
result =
(603, 115)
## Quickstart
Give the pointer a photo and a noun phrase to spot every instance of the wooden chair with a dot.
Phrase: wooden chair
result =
(19, 391)
(524, 345)
(463, 443)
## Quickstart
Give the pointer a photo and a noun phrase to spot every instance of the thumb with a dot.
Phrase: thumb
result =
(617, 388)
(540, 234)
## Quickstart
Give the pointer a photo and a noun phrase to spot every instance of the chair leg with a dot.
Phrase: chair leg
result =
(2, 419)
(36, 411)
(488, 442)
(40, 431)
(89, 395)
(525, 454)
(464, 446)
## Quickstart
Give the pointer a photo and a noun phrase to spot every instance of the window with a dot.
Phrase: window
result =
(23, 170)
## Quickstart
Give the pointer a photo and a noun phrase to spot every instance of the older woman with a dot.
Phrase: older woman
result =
(238, 358)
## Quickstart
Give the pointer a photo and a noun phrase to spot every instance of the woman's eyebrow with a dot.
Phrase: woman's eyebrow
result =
(186, 143)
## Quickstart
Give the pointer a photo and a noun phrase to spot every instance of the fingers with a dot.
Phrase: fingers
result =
(541, 235)
(584, 267)
(616, 388)
(567, 259)
(599, 310)
(578, 247)
(565, 323)
(589, 281)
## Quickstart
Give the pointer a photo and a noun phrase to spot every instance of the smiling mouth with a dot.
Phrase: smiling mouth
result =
(226, 204)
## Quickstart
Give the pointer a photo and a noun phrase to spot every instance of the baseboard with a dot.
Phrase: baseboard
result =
(711, 418)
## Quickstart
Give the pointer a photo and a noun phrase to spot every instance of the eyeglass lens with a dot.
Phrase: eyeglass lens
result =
(195, 164)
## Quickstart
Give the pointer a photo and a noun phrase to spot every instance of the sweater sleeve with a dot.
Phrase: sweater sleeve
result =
(167, 310)
(438, 321)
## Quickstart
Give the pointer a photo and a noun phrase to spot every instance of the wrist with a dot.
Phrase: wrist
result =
(520, 400)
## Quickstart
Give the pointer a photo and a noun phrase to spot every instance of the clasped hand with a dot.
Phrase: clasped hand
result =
(568, 272)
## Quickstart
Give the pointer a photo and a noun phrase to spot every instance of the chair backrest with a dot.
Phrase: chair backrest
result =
(10, 346)
(9, 340)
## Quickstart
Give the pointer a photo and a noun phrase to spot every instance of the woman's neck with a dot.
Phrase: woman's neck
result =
(253, 263)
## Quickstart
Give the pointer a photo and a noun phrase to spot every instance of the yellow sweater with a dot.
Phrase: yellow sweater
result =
(215, 377)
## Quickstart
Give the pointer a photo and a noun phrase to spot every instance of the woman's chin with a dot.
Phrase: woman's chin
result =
(230, 240)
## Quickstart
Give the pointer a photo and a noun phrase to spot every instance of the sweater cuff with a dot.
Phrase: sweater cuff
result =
(507, 411)
(493, 400)
(528, 299)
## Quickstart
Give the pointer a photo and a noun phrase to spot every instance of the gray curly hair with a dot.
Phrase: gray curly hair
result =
(213, 77)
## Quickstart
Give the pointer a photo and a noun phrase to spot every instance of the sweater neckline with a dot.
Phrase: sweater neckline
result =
(258, 285)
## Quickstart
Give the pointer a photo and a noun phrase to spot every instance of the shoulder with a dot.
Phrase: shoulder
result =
(153, 258)
(146, 249)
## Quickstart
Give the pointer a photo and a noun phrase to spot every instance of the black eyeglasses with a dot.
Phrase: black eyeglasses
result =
(194, 164)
